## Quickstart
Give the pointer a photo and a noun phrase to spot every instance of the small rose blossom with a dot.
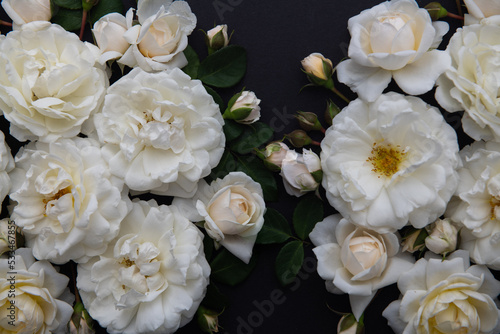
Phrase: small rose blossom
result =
(245, 110)
(442, 238)
(356, 260)
(297, 171)
(395, 39)
(24, 11)
(317, 66)
(480, 9)
(217, 37)
(273, 155)
(408, 243)
(445, 296)
(233, 210)
(108, 33)
(349, 325)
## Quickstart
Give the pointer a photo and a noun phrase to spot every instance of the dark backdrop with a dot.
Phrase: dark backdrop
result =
(278, 34)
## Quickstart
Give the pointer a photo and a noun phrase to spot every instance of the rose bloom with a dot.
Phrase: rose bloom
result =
(24, 11)
(476, 204)
(232, 209)
(479, 9)
(315, 65)
(296, 171)
(50, 83)
(6, 165)
(160, 37)
(446, 297)
(162, 132)
(108, 33)
(390, 162)
(217, 37)
(68, 204)
(247, 100)
(38, 306)
(153, 276)
(356, 260)
(471, 83)
(395, 39)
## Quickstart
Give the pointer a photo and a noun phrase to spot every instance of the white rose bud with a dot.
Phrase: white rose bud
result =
(108, 33)
(301, 172)
(317, 66)
(273, 155)
(24, 11)
(245, 109)
(349, 325)
(217, 37)
(411, 242)
(442, 238)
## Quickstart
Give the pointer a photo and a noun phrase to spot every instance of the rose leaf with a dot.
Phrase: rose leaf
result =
(308, 212)
(289, 261)
(224, 68)
(254, 167)
(228, 269)
(253, 136)
(69, 19)
(68, 4)
(275, 229)
(191, 68)
(105, 7)
(226, 165)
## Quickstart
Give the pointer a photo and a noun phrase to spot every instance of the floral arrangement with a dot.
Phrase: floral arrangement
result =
(143, 174)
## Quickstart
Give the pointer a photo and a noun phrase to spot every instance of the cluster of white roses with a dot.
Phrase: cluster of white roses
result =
(141, 266)
(390, 161)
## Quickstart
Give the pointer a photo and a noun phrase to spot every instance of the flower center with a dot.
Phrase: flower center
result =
(494, 202)
(393, 19)
(56, 196)
(386, 159)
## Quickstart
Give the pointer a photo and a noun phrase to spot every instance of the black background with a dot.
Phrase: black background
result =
(278, 34)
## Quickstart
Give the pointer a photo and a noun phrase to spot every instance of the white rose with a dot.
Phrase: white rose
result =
(108, 33)
(356, 260)
(480, 9)
(68, 204)
(442, 238)
(390, 162)
(24, 11)
(217, 37)
(395, 39)
(162, 131)
(49, 82)
(315, 64)
(153, 276)
(36, 291)
(6, 165)
(445, 296)
(160, 37)
(273, 154)
(296, 172)
(233, 210)
(476, 204)
(471, 83)
(249, 103)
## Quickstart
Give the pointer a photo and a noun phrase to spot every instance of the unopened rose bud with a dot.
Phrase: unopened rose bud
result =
(442, 237)
(273, 155)
(414, 240)
(436, 11)
(108, 33)
(299, 138)
(208, 320)
(349, 325)
(81, 322)
(297, 172)
(216, 38)
(88, 4)
(243, 108)
(319, 69)
(308, 121)
(331, 111)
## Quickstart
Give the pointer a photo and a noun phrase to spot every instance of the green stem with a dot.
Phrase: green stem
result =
(339, 94)
(82, 27)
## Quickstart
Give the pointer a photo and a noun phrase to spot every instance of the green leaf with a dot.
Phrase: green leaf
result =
(253, 136)
(191, 68)
(254, 167)
(308, 212)
(216, 97)
(214, 299)
(224, 68)
(104, 7)
(232, 129)
(226, 165)
(228, 269)
(289, 261)
(68, 4)
(67, 18)
(275, 229)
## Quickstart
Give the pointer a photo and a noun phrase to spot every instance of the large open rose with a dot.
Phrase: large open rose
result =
(446, 297)
(50, 82)
(153, 276)
(162, 132)
(395, 39)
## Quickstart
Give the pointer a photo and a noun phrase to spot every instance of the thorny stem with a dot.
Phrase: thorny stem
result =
(82, 27)
(5, 23)
(314, 142)
(339, 94)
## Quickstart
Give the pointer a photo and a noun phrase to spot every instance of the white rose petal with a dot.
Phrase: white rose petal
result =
(153, 276)
(24, 11)
(445, 296)
(68, 204)
(50, 82)
(393, 39)
(296, 172)
(6, 165)
(108, 33)
(36, 306)
(162, 131)
(356, 260)
(390, 162)
(480, 9)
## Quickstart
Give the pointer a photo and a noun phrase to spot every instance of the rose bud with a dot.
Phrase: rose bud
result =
(299, 138)
(301, 172)
(331, 111)
(243, 108)
(208, 320)
(216, 38)
(414, 240)
(273, 155)
(308, 121)
(108, 33)
(24, 11)
(436, 11)
(81, 322)
(442, 237)
(349, 325)
(88, 4)
(319, 69)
